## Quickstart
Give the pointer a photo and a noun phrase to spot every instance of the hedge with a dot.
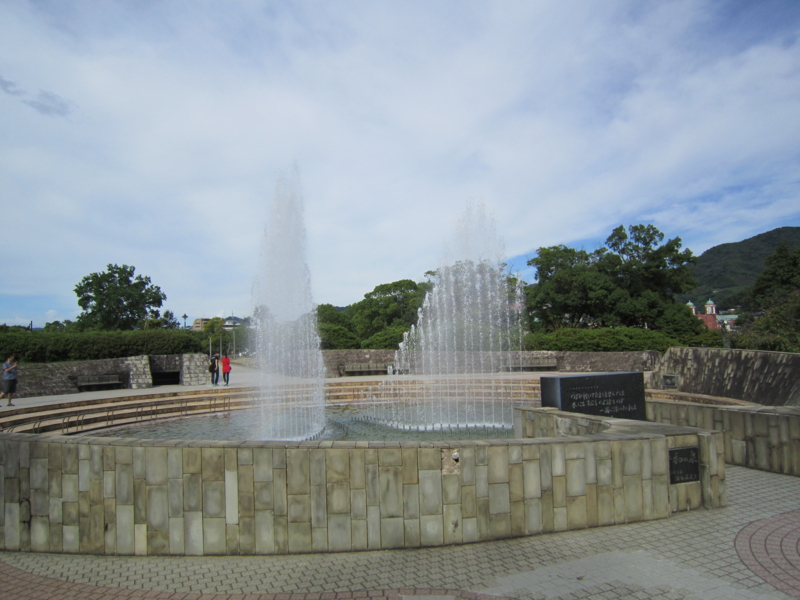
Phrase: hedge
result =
(616, 339)
(39, 346)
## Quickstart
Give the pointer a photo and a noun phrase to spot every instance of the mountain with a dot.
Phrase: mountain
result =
(726, 271)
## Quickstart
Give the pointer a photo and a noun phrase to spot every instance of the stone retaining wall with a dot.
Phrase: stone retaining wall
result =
(47, 379)
(578, 362)
(165, 363)
(194, 369)
(59, 378)
(768, 378)
(335, 360)
(138, 370)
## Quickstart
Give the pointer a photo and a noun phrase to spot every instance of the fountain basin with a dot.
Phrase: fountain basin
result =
(129, 496)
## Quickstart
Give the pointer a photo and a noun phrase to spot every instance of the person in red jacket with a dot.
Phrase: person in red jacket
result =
(226, 369)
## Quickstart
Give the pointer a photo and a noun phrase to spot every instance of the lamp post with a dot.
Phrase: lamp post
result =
(185, 316)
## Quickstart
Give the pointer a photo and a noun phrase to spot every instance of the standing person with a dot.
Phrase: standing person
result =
(9, 379)
(226, 369)
(213, 368)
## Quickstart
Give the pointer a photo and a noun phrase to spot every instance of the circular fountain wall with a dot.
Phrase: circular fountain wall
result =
(134, 496)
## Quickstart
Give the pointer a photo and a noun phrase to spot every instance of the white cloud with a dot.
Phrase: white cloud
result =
(568, 119)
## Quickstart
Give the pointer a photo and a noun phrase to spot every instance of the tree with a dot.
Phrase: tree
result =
(386, 339)
(775, 296)
(336, 337)
(781, 277)
(630, 282)
(116, 300)
(377, 321)
(335, 328)
(219, 339)
(155, 320)
(777, 328)
(389, 305)
(328, 313)
(571, 291)
(58, 327)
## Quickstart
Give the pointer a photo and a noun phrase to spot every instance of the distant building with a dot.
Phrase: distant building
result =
(728, 320)
(232, 323)
(199, 324)
(711, 318)
(229, 323)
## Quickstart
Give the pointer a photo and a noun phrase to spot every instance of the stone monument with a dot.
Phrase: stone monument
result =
(619, 395)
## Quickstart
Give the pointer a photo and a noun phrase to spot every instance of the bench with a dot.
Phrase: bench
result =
(365, 369)
(536, 363)
(90, 381)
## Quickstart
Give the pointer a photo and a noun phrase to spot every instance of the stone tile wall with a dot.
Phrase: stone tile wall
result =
(643, 463)
(765, 438)
(107, 496)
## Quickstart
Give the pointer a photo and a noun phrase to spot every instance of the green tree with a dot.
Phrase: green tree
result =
(328, 313)
(335, 328)
(13, 328)
(389, 305)
(386, 339)
(777, 328)
(571, 291)
(58, 327)
(336, 337)
(630, 282)
(775, 296)
(116, 300)
(155, 320)
(219, 338)
(781, 277)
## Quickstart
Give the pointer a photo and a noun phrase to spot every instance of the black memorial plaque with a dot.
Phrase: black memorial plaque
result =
(619, 395)
(684, 465)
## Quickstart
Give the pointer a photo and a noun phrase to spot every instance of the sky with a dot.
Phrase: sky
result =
(152, 134)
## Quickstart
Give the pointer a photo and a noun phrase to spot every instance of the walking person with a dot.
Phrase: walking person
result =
(226, 369)
(9, 378)
(213, 368)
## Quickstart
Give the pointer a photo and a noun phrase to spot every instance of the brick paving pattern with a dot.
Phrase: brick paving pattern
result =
(771, 549)
(690, 555)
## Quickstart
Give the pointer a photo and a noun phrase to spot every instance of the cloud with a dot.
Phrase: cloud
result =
(566, 120)
(9, 87)
(48, 103)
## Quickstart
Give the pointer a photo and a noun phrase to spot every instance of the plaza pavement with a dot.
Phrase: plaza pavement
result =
(748, 550)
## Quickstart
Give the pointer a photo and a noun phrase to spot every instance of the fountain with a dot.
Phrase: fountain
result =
(467, 327)
(292, 403)
(470, 324)
(248, 497)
